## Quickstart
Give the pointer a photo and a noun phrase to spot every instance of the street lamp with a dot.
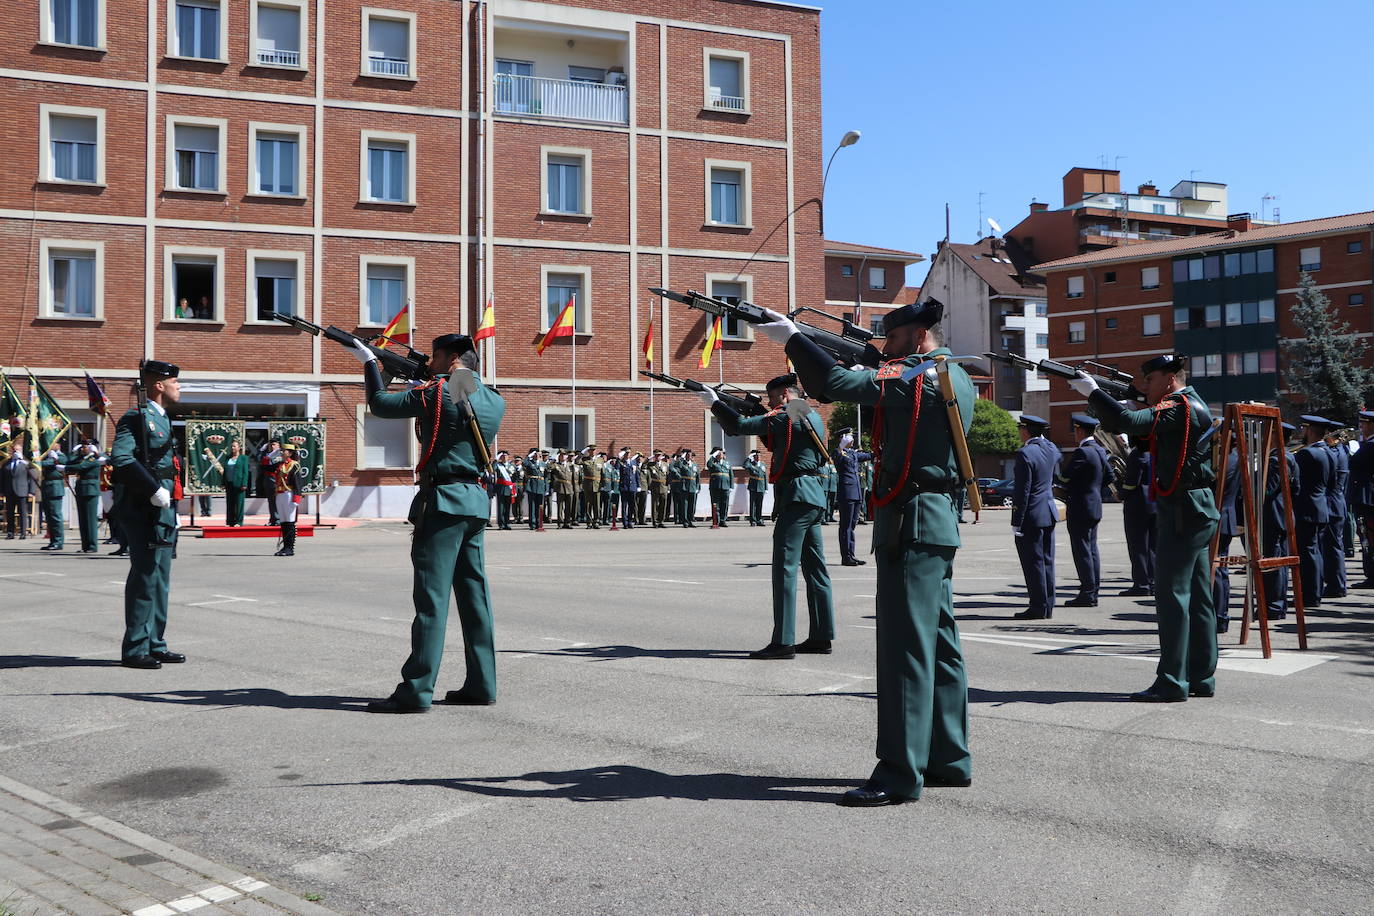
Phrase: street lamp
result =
(849, 139)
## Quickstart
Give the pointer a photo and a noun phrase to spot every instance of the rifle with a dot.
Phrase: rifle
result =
(1116, 384)
(851, 346)
(414, 365)
(744, 404)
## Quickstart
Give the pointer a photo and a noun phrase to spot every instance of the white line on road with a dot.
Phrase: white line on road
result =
(672, 581)
(22, 574)
(223, 599)
(1252, 661)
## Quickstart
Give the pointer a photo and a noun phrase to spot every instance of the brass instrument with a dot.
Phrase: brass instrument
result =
(1116, 458)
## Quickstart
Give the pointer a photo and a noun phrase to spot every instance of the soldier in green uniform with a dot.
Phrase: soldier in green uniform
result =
(828, 481)
(53, 489)
(238, 473)
(86, 469)
(758, 486)
(690, 473)
(800, 496)
(450, 517)
(610, 488)
(589, 486)
(145, 474)
(561, 478)
(536, 486)
(674, 476)
(658, 489)
(865, 489)
(921, 685)
(722, 482)
(1178, 425)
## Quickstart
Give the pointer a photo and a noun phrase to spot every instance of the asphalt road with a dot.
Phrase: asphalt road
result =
(636, 762)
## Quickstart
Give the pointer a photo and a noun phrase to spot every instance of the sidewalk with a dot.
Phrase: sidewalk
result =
(58, 858)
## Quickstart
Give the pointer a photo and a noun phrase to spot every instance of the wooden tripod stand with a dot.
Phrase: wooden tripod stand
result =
(1257, 434)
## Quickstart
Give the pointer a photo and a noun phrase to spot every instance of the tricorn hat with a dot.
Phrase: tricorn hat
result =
(1168, 362)
(454, 343)
(156, 368)
(783, 381)
(925, 313)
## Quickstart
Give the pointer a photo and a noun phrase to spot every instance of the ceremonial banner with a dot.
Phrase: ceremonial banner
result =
(207, 448)
(308, 437)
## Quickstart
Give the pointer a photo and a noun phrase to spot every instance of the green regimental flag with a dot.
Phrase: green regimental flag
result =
(46, 422)
(308, 437)
(11, 415)
(207, 448)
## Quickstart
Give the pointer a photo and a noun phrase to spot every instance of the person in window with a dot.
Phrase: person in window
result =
(183, 308)
(205, 311)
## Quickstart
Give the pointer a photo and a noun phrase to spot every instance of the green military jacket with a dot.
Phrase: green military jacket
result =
(658, 476)
(691, 477)
(589, 473)
(560, 477)
(610, 477)
(829, 479)
(87, 474)
(758, 476)
(536, 483)
(237, 471)
(927, 517)
(54, 470)
(135, 485)
(791, 444)
(722, 474)
(453, 451)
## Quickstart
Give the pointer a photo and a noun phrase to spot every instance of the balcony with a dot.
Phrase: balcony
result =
(1097, 235)
(726, 102)
(388, 66)
(278, 58)
(568, 100)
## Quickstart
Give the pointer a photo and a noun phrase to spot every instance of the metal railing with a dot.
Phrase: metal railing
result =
(727, 102)
(1124, 234)
(279, 58)
(572, 100)
(388, 66)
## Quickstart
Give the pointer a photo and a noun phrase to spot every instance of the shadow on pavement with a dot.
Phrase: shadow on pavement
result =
(1044, 697)
(54, 661)
(241, 696)
(625, 783)
(608, 653)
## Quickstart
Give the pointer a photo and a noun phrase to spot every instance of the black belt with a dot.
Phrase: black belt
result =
(438, 480)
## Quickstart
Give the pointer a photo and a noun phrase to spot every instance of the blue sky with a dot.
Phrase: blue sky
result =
(954, 98)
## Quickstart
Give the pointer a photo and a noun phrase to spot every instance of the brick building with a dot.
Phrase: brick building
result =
(863, 283)
(1223, 299)
(183, 168)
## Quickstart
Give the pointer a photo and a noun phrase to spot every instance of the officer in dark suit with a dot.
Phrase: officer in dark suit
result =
(1361, 493)
(17, 484)
(1333, 551)
(1311, 506)
(1226, 530)
(1138, 518)
(1274, 527)
(1084, 477)
(847, 462)
(1034, 515)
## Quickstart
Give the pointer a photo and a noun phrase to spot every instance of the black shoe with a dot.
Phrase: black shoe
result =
(459, 698)
(121, 552)
(1081, 601)
(168, 658)
(1150, 696)
(813, 647)
(1028, 614)
(774, 651)
(1223, 625)
(140, 661)
(853, 561)
(1203, 692)
(389, 705)
(948, 782)
(1137, 591)
(1367, 583)
(48, 547)
(1333, 595)
(90, 550)
(870, 796)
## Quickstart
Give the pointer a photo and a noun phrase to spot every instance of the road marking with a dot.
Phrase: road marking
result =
(672, 581)
(223, 599)
(22, 574)
(571, 643)
(336, 864)
(1282, 664)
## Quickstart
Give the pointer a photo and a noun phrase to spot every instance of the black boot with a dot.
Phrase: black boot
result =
(288, 533)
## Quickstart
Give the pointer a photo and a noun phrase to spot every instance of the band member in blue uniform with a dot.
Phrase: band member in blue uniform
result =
(1333, 551)
(1034, 515)
(1361, 493)
(1312, 508)
(1084, 477)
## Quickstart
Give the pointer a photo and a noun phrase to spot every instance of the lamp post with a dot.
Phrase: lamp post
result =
(849, 139)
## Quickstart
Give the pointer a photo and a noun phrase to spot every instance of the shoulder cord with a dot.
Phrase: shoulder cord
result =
(1182, 450)
(878, 412)
(779, 464)
(436, 386)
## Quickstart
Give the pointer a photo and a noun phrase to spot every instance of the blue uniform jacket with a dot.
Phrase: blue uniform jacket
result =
(1275, 520)
(1361, 484)
(1135, 489)
(847, 462)
(1316, 468)
(1084, 478)
(1336, 496)
(1032, 501)
(1226, 525)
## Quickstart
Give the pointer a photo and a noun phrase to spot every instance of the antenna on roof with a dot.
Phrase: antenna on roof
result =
(1264, 202)
(981, 195)
(1116, 163)
(996, 229)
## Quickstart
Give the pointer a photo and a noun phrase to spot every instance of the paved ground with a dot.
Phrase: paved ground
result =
(637, 763)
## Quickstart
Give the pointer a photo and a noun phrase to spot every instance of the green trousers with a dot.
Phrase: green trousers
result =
(720, 503)
(88, 519)
(57, 529)
(922, 690)
(1184, 606)
(149, 582)
(233, 505)
(447, 554)
(797, 544)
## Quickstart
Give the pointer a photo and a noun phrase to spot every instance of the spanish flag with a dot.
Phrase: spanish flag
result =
(562, 327)
(398, 330)
(649, 343)
(488, 326)
(713, 343)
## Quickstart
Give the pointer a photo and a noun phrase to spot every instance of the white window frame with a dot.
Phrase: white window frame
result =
(45, 302)
(250, 299)
(1159, 325)
(170, 166)
(169, 292)
(45, 33)
(365, 261)
(299, 130)
(364, 139)
(707, 103)
(746, 169)
(1069, 288)
(372, 12)
(572, 152)
(589, 413)
(172, 36)
(586, 274)
(1081, 327)
(1303, 258)
(1143, 273)
(45, 170)
(870, 285)
(302, 33)
(412, 450)
(745, 281)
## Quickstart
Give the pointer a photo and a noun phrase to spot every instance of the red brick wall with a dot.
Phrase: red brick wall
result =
(840, 288)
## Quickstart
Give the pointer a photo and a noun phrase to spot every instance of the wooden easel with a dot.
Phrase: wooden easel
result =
(1258, 433)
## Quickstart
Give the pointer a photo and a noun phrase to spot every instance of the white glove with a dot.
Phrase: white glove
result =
(846, 440)
(162, 499)
(1016, 532)
(708, 396)
(1083, 385)
(779, 327)
(859, 367)
(362, 353)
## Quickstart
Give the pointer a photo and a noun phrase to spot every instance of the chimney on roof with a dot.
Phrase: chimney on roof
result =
(1080, 183)
(1147, 190)
(1038, 207)
(1238, 222)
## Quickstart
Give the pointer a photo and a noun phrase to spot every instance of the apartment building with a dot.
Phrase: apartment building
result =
(863, 282)
(1223, 299)
(185, 168)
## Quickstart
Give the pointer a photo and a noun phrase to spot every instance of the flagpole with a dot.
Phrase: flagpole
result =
(574, 371)
(651, 381)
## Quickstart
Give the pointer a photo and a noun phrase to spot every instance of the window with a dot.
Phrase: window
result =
(1149, 278)
(1078, 332)
(586, 74)
(1149, 325)
(1233, 313)
(388, 173)
(1233, 363)
(1042, 309)
(388, 43)
(1264, 261)
(1042, 341)
(73, 22)
(1310, 259)
(386, 288)
(1109, 277)
(194, 282)
(385, 442)
(1266, 310)
(1195, 269)
(1355, 299)
(846, 270)
(877, 278)
(727, 80)
(1248, 261)
(1250, 362)
(1180, 271)
(1354, 247)
(730, 288)
(1268, 361)
(72, 283)
(1075, 287)
(1197, 367)
(1212, 316)
(1232, 264)
(566, 431)
(1111, 324)
(1213, 364)
(275, 160)
(276, 37)
(195, 159)
(1157, 208)
(72, 141)
(1211, 267)
(274, 284)
(727, 193)
(567, 180)
(514, 89)
(1182, 318)
(196, 30)
(561, 286)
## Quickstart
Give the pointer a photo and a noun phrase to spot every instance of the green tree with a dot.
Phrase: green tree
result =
(1327, 366)
(844, 414)
(993, 431)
